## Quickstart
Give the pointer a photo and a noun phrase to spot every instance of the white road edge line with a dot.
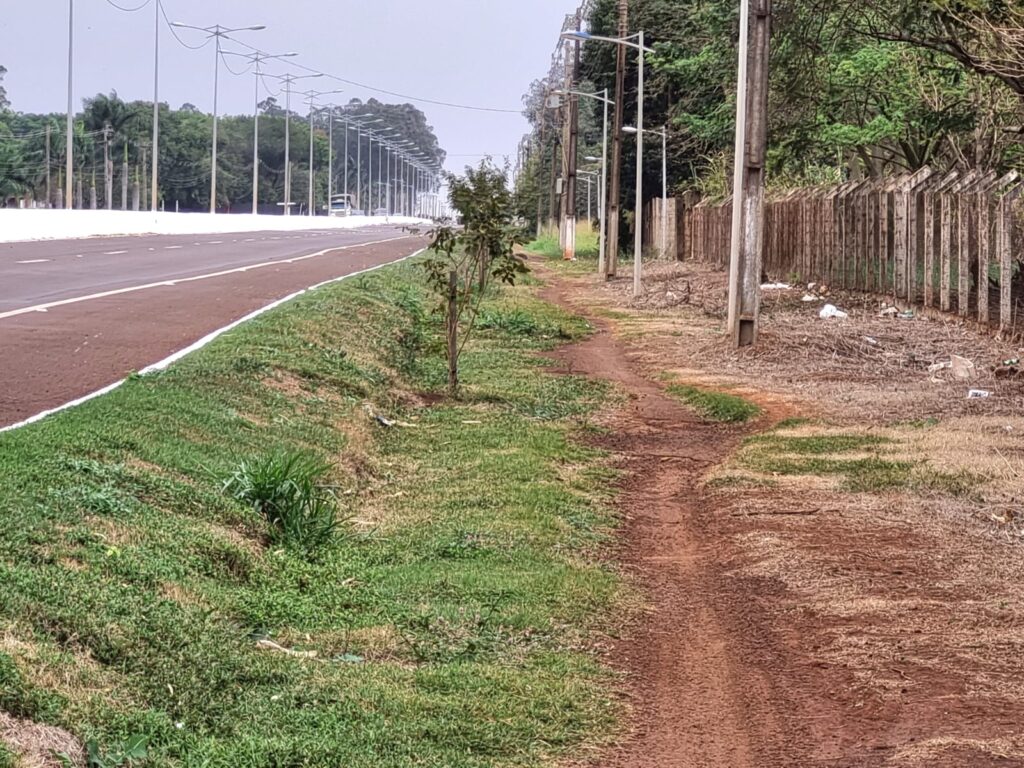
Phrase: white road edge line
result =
(113, 253)
(134, 288)
(207, 339)
(32, 261)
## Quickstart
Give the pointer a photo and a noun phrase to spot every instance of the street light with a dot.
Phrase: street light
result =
(664, 181)
(288, 80)
(312, 95)
(360, 125)
(641, 49)
(257, 58)
(603, 208)
(216, 32)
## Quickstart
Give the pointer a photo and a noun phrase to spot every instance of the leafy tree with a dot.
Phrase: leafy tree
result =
(4, 103)
(463, 262)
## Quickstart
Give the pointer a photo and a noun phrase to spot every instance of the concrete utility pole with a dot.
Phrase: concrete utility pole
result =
(69, 151)
(569, 251)
(615, 186)
(108, 171)
(49, 192)
(153, 193)
(748, 185)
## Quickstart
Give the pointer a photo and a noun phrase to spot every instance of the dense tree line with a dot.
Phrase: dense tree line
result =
(858, 88)
(108, 127)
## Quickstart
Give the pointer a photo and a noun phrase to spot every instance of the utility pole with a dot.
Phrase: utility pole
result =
(69, 151)
(615, 187)
(566, 113)
(748, 189)
(49, 193)
(569, 252)
(108, 171)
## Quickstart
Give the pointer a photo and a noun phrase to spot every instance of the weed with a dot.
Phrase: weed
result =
(714, 405)
(134, 748)
(285, 488)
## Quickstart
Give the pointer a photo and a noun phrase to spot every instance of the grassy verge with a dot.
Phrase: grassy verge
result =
(715, 405)
(450, 622)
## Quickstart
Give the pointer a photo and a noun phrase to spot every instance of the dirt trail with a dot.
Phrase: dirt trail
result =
(697, 702)
(733, 664)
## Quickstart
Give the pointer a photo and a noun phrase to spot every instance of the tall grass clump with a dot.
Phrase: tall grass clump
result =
(287, 490)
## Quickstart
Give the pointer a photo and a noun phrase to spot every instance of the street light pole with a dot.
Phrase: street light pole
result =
(70, 145)
(154, 186)
(638, 212)
(216, 31)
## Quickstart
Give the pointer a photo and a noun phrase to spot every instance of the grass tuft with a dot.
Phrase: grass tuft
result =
(287, 490)
(715, 405)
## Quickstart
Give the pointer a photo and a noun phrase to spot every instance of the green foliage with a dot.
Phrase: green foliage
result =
(715, 405)
(134, 748)
(185, 150)
(286, 489)
(463, 262)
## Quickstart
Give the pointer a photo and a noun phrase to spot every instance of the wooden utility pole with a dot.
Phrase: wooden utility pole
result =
(566, 114)
(614, 190)
(572, 149)
(748, 191)
(540, 173)
(553, 204)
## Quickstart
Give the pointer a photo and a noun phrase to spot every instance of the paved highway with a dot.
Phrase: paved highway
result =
(77, 315)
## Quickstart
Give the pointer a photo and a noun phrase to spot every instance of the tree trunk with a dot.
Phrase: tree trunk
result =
(452, 334)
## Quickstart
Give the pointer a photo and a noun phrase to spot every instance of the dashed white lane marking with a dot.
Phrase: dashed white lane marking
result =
(34, 261)
(214, 242)
(113, 253)
(235, 270)
(173, 247)
(78, 255)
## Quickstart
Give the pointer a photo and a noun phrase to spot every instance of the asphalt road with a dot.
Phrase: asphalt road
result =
(77, 315)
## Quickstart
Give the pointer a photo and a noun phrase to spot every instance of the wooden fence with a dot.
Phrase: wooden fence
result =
(925, 239)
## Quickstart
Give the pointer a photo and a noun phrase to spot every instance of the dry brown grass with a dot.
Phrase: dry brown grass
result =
(36, 746)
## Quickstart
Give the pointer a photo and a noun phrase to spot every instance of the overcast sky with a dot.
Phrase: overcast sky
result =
(476, 52)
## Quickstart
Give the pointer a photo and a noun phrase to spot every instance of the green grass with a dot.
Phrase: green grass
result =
(715, 405)
(451, 619)
(587, 244)
(828, 455)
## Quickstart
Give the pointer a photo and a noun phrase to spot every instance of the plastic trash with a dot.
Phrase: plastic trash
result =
(871, 341)
(776, 287)
(978, 394)
(830, 310)
(808, 298)
(963, 368)
(936, 367)
(889, 312)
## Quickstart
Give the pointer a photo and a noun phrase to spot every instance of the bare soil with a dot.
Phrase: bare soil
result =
(791, 622)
